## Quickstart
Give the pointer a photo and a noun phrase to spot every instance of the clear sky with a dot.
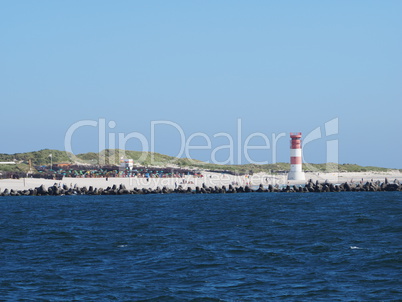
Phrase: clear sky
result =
(278, 66)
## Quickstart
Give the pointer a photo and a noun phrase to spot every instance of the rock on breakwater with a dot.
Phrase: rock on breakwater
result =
(309, 187)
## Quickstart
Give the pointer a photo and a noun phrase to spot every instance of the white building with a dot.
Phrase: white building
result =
(126, 163)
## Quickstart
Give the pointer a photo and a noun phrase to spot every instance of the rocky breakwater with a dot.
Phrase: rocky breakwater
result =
(309, 187)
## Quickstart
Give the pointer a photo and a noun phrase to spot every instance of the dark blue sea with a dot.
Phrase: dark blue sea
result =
(226, 247)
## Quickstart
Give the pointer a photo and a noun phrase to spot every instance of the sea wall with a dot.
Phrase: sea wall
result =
(309, 187)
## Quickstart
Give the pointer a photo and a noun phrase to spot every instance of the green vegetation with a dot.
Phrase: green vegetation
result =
(91, 156)
(357, 168)
(38, 158)
(15, 168)
(333, 167)
(112, 157)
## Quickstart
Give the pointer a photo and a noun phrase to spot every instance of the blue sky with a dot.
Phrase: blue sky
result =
(279, 66)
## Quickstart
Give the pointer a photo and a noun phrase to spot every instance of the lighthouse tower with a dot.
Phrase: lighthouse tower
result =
(296, 172)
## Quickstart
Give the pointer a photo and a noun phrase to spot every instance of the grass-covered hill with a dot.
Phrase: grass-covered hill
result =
(112, 157)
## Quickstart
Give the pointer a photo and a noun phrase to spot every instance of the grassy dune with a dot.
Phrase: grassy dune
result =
(112, 156)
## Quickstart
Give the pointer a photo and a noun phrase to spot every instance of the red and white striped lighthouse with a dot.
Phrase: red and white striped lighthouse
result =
(296, 171)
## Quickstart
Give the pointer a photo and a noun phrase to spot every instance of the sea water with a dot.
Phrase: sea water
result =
(225, 247)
